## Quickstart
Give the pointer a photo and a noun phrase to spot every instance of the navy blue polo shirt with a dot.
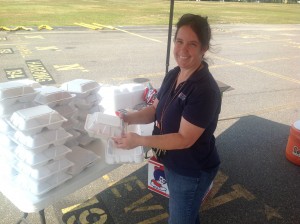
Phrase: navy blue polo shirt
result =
(198, 100)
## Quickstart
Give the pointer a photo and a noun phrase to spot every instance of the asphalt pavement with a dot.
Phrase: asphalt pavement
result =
(256, 184)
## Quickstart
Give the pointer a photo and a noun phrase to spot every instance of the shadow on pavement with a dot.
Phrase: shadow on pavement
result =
(255, 184)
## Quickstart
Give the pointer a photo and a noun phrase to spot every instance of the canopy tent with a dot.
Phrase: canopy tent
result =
(169, 34)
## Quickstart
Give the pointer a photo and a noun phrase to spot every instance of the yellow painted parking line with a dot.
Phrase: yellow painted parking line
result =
(1, 45)
(45, 27)
(93, 27)
(21, 28)
(83, 218)
(149, 208)
(244, 64)
(125, 31)
(271, 213)
(139, 202)
(4, 28)
(88, 203)
(262, 111)
(106, 177)
(129, 77)
(35, 37)
(155, 219)
(70, 67)
(70, 208)
(273, 74)
(47, 48)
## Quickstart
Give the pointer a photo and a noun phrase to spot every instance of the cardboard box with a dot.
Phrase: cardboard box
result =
(157, 180)
(156, 177)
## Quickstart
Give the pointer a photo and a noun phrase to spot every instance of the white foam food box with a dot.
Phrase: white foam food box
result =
(81, 87)
(6, 111)
(114, 155)
(53, 96)
(40, 159)
(13, 89)
(30, 82)
(40, 187)
(124, 96)
(100, 125)
(4, 126)
(66, 110)
(42, 172)
(82, 158)
(32, 120)
(7, 171)
(87, 102)
(41, 141)
(6, 143)
(82, 113)
(19, 99)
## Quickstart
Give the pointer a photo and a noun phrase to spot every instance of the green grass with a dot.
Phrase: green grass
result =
(139, 12)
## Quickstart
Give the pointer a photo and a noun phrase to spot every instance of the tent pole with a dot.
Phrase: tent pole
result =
(169, 35)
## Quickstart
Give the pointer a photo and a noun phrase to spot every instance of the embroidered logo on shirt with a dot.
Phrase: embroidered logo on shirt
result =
(182, 96)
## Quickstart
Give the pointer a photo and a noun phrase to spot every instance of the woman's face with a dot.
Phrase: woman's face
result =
(188, 51)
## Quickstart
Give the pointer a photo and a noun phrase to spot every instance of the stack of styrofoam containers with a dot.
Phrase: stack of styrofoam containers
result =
(39, 155)
(14, 95)
(86, 101)
(61, 101)
(7, 173)
(125, 96)
(105, 126)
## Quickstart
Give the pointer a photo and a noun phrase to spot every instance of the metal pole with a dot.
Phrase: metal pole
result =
(169, 35)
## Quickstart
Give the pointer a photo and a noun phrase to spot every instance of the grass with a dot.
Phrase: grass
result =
(139, 12)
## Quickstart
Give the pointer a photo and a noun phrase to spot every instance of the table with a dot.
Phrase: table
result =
(29, 203)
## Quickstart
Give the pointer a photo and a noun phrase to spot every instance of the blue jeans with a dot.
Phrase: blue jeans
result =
(186, 195)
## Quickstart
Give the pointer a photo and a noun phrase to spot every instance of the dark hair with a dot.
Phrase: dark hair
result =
(199, 25)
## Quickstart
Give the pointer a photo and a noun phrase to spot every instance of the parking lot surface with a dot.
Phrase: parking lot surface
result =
(255, 184)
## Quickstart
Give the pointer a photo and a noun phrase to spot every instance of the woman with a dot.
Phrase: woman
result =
(185, 115)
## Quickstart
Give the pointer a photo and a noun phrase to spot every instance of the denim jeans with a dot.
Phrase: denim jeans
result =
(186, 195)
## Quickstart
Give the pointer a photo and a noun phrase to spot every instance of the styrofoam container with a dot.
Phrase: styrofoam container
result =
(75, 134)
(43, 172)
(114, 155)
(70, 124)
(33, 120)
(41, 187)
(82, 113)
(14, 89)
(30, 82)
(79, 126)
(40, 141)
(19, 99)
(87, 102)
(71, 144)
(82, 158)
(6, 142)
(53, 96)
(84, 139)
(4, 126)
(7, 171)
(66, 110)
(42, 158)
(8, 111)
(99, 125)
(125, 96)
(81, 87)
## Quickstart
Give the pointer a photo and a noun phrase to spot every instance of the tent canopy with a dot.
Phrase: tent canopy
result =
(169, 34)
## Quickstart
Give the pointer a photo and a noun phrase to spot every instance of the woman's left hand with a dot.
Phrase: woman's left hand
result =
(127, 141)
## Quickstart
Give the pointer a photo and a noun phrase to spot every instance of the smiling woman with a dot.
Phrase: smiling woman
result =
(154, 12)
